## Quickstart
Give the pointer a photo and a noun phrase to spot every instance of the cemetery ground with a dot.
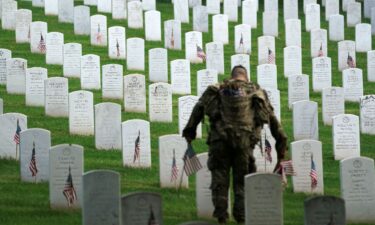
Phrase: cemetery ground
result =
(28, 203)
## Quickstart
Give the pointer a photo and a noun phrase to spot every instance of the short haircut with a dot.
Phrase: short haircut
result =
(239, 71)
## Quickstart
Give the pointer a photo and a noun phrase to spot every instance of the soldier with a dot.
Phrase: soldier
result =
(237, 110)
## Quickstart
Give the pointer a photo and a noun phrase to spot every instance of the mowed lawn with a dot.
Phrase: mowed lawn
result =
(28, 203)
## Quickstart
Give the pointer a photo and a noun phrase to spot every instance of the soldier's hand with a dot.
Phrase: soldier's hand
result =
(188, 139)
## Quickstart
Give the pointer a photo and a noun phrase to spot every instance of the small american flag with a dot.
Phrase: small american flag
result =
(285, 169)
(313, 174)
(172, 39)
(350, 61)
(99, 36)
(271, 57)
(42, 44)
(174, 170)
(69, 192)
(137, 147)
(16, 137)
(117, 48)
(241, 40)
(32, 165)
(268, 150)
(200, 53)
(151, 219)
(191, 161)
(320, 52)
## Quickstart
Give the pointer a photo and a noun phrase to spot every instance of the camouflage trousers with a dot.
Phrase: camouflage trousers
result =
(226, 156)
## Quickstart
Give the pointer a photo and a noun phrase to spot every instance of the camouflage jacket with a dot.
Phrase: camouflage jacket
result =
(236, 105)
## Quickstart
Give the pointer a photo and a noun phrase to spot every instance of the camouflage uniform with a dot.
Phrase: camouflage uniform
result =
(237, 111)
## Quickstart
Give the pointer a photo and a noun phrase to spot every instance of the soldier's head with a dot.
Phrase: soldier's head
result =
(239, 73)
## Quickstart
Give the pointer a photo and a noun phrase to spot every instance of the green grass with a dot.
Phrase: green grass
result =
(24, 203)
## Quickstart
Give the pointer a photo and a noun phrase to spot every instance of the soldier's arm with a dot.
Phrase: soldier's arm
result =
(199, 110)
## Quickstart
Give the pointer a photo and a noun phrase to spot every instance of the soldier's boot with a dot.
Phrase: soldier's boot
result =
(222, 221)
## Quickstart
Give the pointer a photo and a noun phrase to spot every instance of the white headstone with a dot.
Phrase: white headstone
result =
(8, 130)
(54, 48)
(290, 9)
(322, 73)
(112, 81)
(200, 18)
(336, 28)
(185, 108)
(220, 28)
(180, 76)
(305, 120)
(263, 162)
(1, 106)
(215, 56)
(8, 15)
(345, 4)
(292, 61)
(107, 126)
(367, 112)
(267, 76)
(312, 18)
(242, 39)
(345, 136)
(136, 146)
(116, 42)
(90, 2)
(274, 97)
(72, 60)
(4, 55)
(160, 102)
(333, 103)
(172, 34)
(318, 44)
(153, 25)
(298, 89)
(293, 32)
(34, 155)
(370, 66)
(38, 3)
(38, 33)
(171, 151)
(368, 4)
(82, 20)
(332, 8)
(352, 82)
(306, 155)
(148, 5)
(205, 78)
(135, 15)
(346, 54)
(158, 65)
(135, 93)
(270, 23)
(249, 13)
(51, 7)
(213, 6)
(193, 41)
(363, 38)
(16, 75)
(263, 196)
(357, 178)
(66, 11)
(243, 60)
(354, 14)
(135, 54)
(307, 2)
(66, 165)
(373, 21)
(98, 30)
(266, 50)
(90, 72)
(56, 97)
(23, 20)
(104, 6)
(231, 10)
(35, 78)
(81, 113)
(119, 9)
(181, 10)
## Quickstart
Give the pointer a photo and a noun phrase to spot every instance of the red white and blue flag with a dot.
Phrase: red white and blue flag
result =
(137, 148)
(174, 169)
(69, 192)
(16, 137)
(313, 174)
(200, 53)
(191, 161)
(268, 150)
(271, 57)
(42, 44)
(32, 165)
(350, 61)
(320, 52)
